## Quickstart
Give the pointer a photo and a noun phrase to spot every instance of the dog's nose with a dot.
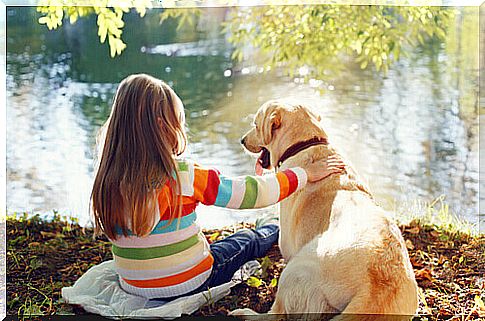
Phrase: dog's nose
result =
(242, 140)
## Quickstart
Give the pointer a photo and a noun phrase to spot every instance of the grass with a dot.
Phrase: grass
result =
(436, 214)
(447, 256)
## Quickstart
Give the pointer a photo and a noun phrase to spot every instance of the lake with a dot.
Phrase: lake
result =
(412, 134)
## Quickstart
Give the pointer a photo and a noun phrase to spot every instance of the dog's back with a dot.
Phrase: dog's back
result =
(359, 262)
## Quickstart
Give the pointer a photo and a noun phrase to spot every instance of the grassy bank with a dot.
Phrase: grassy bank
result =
(43, 257)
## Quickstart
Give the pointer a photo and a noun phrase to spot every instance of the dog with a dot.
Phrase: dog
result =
(345, 255)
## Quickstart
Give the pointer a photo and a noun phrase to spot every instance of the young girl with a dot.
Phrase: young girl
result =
(144, 198)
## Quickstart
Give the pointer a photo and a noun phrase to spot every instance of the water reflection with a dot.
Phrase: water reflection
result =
(410, 134)
(47, 165)
(210, 47)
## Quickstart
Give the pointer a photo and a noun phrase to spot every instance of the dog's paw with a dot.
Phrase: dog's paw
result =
(242, 312)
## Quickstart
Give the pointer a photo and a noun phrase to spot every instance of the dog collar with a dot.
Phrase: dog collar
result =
(300, 146)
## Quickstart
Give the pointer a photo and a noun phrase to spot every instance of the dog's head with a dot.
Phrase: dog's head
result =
(278, 125)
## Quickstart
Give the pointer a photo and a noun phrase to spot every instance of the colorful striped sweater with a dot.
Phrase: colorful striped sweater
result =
(175, 258)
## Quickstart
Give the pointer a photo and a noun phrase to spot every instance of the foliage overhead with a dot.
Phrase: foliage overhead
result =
(109, 17)
(311, 39)
(318, 36)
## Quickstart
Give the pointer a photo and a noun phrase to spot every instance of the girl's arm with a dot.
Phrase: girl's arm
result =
(243, 192)
(210, 187)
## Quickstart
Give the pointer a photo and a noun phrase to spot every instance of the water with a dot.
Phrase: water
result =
(413, 134)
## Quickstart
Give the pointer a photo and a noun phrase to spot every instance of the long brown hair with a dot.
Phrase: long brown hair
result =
(137, 147)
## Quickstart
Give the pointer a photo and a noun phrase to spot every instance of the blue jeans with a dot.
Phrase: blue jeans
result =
(232, 252)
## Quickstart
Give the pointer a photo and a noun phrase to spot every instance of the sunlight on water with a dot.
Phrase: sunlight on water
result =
(47, 158)
(412, 134)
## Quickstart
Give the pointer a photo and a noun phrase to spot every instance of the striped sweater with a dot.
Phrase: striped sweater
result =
(175, 258)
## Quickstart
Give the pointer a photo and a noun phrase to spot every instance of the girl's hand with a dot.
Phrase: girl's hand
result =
(321, 169)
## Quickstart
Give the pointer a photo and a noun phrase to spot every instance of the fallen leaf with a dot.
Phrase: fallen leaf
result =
(443, 311)
(424, 274)
(409, 245)
(254, 282)
(273, 283)
(479, 306)
(47, 234)
(413, 230)
(434, 233)
(416, 263)
(214, 236)
(51, 235)
(442, 259)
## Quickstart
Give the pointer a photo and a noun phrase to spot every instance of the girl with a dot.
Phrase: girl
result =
(144, 198)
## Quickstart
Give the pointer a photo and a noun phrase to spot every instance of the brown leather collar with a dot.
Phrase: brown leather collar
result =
(298, 147)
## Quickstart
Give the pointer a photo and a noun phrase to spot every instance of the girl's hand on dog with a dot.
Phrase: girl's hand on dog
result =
(321, 169)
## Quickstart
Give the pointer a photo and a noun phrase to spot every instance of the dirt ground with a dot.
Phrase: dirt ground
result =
(43, 257)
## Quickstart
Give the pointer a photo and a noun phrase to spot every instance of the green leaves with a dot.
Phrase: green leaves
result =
(53, 15)
(254, 282)
(265, 264)
(110, 18)
(273, 283)
(319, 36)
(185, 16)
(116, 46)
(109, 25)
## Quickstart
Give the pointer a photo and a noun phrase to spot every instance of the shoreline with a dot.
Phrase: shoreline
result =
(43, 257)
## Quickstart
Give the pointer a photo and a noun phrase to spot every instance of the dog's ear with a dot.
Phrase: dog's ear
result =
(271, 122)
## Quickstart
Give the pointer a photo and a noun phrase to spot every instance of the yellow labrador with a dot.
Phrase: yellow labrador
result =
(344, 253)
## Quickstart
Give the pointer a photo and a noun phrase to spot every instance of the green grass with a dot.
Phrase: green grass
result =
(436, 214)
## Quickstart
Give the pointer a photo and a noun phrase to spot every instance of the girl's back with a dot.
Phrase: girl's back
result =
(175, 257)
